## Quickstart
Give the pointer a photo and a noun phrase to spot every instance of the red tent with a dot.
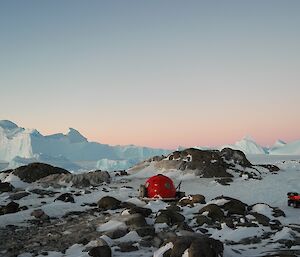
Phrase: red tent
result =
(160, 186)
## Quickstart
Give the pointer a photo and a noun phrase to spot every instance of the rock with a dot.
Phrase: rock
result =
(121, 173)
(6, 187)
(201, 220)
(117, 233)
(205, 163)
(11, 207)
(136, 221)
(197, 198)
(88, 179)
(270, 167)
(66, 197)
(100, 251)
(109, 203)
(37, 213)
(261, 219)
(277, 212)
(127, 247)
(169, 217)
(180, 244)
(229, 222)
(35, 171)
(206, 247)
(40, 214)
(43, 192)
(184, 227)
(275, 225)
(173, 207)
(224, 181)
(191, 200)
(143, 211)
(81, 180)
(250, 240)
(145, 231)
(237, 156)
(214, 212)
(18, 195)
(233, 206)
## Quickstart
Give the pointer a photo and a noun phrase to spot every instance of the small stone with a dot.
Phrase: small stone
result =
(127, 247)
(201, 220)
(109, 203)
(214, 212)
(136, 221)
(100, 251)
(146, 231)
(66, 197)
(18, 195)
(37, 213)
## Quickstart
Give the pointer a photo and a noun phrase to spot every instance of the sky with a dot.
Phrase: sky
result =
(154, 73)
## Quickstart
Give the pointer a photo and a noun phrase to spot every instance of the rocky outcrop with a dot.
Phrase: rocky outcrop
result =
(207, 163)
(35, 171)
(94, 178)
(6, 187)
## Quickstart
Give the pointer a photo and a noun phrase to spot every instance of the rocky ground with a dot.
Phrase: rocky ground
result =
(98, 214)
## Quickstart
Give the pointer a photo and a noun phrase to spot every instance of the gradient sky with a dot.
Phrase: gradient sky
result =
(155, 73)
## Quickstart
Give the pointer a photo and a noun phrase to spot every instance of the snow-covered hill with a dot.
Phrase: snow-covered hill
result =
(20, 146)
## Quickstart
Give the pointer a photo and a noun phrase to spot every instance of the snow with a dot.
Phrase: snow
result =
(286, 233)
(131, 236)
(263, 209)
(271, 190)
(14, 180)
(111, 225)
(160, 252)
(238, 234)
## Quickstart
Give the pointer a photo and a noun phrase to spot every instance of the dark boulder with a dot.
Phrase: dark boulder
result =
(117, 233)
(237, 156)
(35, 171)
(169, 217)
(191, 200)
(214, 212)
(206, 247)
(233, 206)
(109, 203)
(224, 181)
(39, 214)
(18, 195)
(201, 220)
(43, 192)
(6, 187)
(145, 231)
(261, 219)
(135, 221)
(11, 207)
(66, 197)
(132, 209)
(100, 251)
(127, 247)
(180, 244)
